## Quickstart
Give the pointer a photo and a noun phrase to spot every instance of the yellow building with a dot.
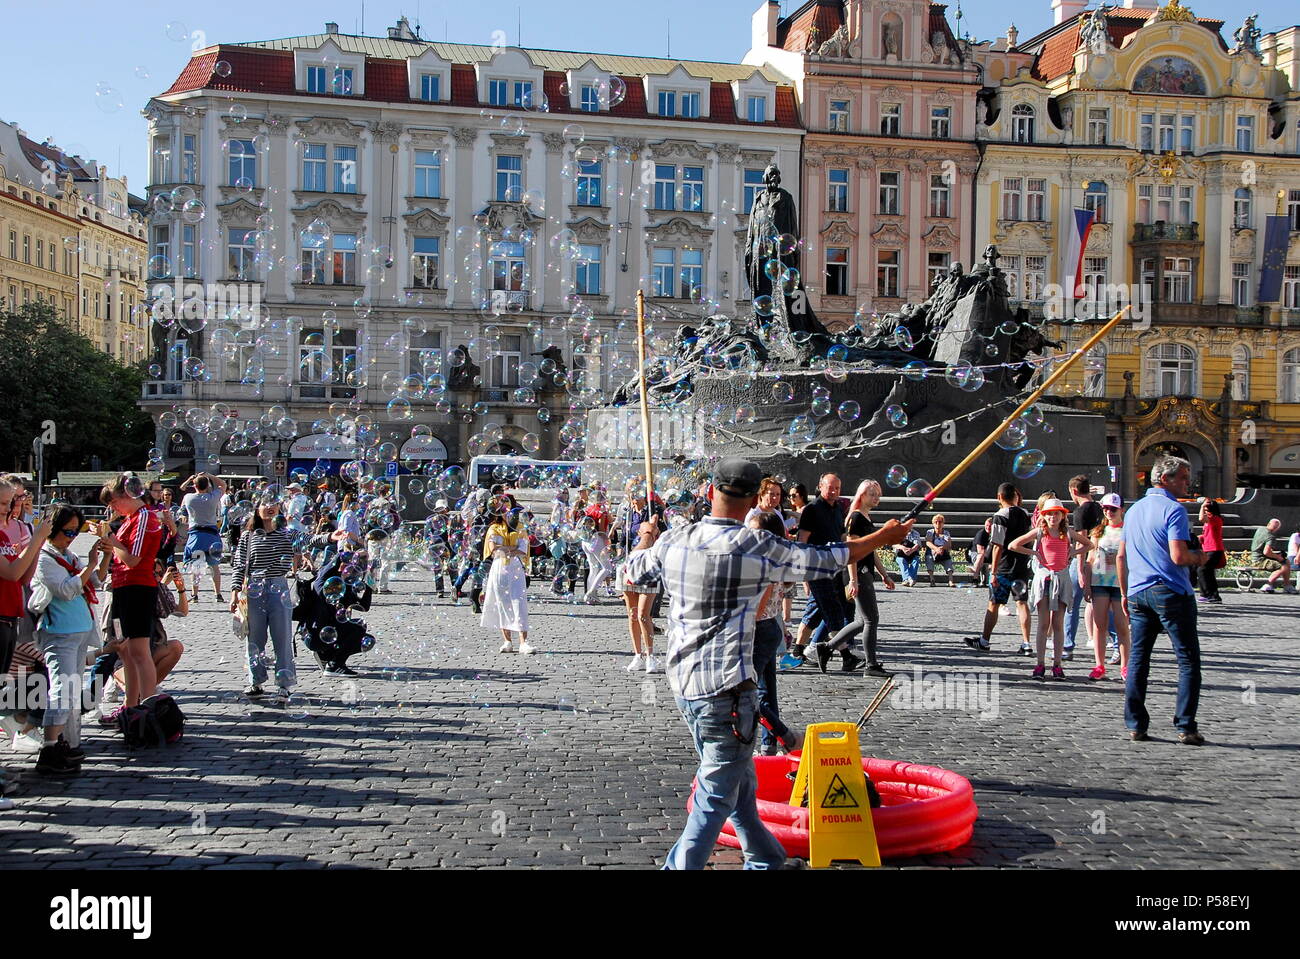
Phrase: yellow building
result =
(1180, 144)
(68, 236)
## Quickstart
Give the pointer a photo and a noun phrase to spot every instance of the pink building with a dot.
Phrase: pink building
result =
(887, 94)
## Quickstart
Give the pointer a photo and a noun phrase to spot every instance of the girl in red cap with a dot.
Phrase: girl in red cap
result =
(1053, 545)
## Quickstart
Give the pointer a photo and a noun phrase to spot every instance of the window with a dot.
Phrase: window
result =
(1022, 123)
(428, 173)
(162, 159)
(313, 167)
(665, 186)
(1241, 203)
(667, 103)
(27, 248)
(663, 266)
(1098, 125)
(497, 92)
(429, 87)
(345, 169)
(243, 163)
(891, 119)
(1144, 203)
(936, 267)
(1245, 134)
(13, 244)
(1011, 189)
(424, 355)
(1094, 199)
(690, 105)
(754, 184)
(85, 301)
(1164, 203)
(1293, 209)
(1291, 376)
(507, 264)
(425, 251)
(837, 271)
(586, 271)
(40, 251)
(1094, 371)
(316, 82)
(1185, 204)
(315, 253)
(1171, 370)
(589, 99)
(241, 362)
(503, 367)
(345, 259)
(1147, 128)
(162, 251)
(679, 104)
(510, 178)
(887, 263)
(240, 255)
(1177, 284)
(1241, 284)
(341, 85)
(940, 196)
(1241, 372)
(589, 183)
(1165, 132)
(1291, 288)
(189, 160)
(837, 200)
(692, 188)
(692, 274)
(523, 93)
(188, 263)
(941, 122)
(889, 191)
(756, 109)
(1035, 199)
(1187, 134)
(1035, 278)
(837, 118)
(1095, 271)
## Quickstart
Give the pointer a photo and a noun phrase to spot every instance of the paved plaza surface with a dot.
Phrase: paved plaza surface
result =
(446, 753)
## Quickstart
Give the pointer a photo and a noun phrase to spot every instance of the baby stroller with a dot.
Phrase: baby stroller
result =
(316, 613)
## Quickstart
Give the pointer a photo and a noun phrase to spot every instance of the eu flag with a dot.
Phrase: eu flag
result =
(1277, 233)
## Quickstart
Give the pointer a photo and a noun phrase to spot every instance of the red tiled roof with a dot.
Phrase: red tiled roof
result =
(254, 70)
(939, 24)
(1057, 55)
(38, 153)
(826, 16)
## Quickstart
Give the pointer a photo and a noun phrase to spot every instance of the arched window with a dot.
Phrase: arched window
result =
(1022, 123)
(1241, 372)
(1094, 371)
(1241, 208)
(1291, 376)
(1171, 370)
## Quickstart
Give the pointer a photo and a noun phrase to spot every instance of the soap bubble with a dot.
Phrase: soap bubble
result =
(914, 371)
(1014, 436)
(919, 489)
(782, 392)
(222, 68)
(896, 476)
(849, 411)
(896, 415)
(107, 98)
(1027, 463)
(763, 305)
(821, 406)
(1033, 416)
(332, 589)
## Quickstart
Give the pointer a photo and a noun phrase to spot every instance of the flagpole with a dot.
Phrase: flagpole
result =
(645, 403)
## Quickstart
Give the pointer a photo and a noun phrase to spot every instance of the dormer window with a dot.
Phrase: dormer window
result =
(497, 92)
(756, 109)
(429, 87)
(674, 103)
(321, 80)
(589, 99)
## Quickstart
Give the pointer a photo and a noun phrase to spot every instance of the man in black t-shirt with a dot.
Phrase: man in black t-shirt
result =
(822, 522)
(1087, 517)
(980, 558)
(1010, 570)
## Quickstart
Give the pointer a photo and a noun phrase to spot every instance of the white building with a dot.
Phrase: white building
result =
(389, 200)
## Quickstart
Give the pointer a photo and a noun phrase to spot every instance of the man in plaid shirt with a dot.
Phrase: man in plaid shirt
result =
(715, 572)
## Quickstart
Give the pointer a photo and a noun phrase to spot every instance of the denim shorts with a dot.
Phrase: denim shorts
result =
(1003, 588)
(1113, 592)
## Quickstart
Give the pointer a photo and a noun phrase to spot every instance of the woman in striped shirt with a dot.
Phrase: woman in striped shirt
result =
(263, 562)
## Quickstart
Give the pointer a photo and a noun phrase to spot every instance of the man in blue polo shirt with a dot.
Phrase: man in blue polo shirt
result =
(1158, 595)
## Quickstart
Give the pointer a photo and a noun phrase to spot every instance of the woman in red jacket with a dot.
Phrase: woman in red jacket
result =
(1212, 545)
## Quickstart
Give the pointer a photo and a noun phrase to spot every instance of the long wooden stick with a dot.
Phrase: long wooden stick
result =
(979, 451)
(645, 403)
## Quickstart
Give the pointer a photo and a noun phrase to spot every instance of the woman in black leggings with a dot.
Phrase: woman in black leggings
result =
(861, 588)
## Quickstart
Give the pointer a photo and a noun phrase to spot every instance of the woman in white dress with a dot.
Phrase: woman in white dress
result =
(505, 601)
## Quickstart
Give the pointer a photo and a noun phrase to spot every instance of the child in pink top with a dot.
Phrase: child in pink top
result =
(1053, 546)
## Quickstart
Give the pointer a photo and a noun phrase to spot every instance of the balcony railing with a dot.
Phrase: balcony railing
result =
(1161, 230)
(515, 300)
(153, 389)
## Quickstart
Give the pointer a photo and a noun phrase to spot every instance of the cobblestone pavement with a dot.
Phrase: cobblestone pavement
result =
(446, 753)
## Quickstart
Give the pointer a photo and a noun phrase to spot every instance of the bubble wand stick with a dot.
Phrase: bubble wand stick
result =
(645, 402)
(1029, 401)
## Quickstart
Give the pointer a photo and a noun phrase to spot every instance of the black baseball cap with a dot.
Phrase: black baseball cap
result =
(737, 477)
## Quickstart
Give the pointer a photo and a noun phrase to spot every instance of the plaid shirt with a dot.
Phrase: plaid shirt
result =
(715, 572)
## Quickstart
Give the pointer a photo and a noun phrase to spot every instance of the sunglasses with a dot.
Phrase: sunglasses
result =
(71, 533)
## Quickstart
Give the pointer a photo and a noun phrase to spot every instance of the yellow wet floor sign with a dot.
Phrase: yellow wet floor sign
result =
(839, 811)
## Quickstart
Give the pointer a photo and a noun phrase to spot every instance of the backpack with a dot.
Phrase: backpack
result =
(157, 721)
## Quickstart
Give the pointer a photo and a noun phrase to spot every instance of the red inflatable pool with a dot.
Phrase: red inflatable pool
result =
(925, 809)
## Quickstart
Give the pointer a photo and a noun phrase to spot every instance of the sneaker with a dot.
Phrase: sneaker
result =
(54, 760)
(852, 662)
(6, 803)
(1267, 588)
(1040, 672)
(877, 669)
(1191, 739)
(1098, 672)
(110, 718)
(75, 753)
(977, 643)
(824, 654)
(1114, 658)
(194, 597)
(220, 599)
(793, 659)
(1068, 653)
(1202, 599)
(343, 669)
(1058, 672)
(1123, 673)
(252, 692)
(651, 664)
(1138, 735)
(1216, 600)
(637, 664)
(507, 647)
(281, 697)
(526, 649)
(1026, 649)
(29, 742)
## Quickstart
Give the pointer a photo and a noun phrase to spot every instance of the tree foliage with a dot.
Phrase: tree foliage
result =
(49, 372)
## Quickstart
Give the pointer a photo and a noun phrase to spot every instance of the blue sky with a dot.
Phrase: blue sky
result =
(82, 74)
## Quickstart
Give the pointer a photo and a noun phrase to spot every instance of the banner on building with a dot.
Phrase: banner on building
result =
(1076, 241)
(1277, 234)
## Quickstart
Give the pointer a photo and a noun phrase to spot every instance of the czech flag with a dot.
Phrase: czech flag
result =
(1076, 240)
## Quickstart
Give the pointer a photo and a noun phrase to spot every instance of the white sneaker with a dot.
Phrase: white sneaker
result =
(1267, 588)
(651, 664)
(638, 662)
(525, 649)
(29, 742)
(112, 692)
(507, 647)
(6, 803)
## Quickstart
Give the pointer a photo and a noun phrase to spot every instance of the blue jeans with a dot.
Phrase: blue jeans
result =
(65, 653)
(828, 593)
(270, 610)
(911, 566)
(724, 784)
(767, 643)
(1152, 610)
